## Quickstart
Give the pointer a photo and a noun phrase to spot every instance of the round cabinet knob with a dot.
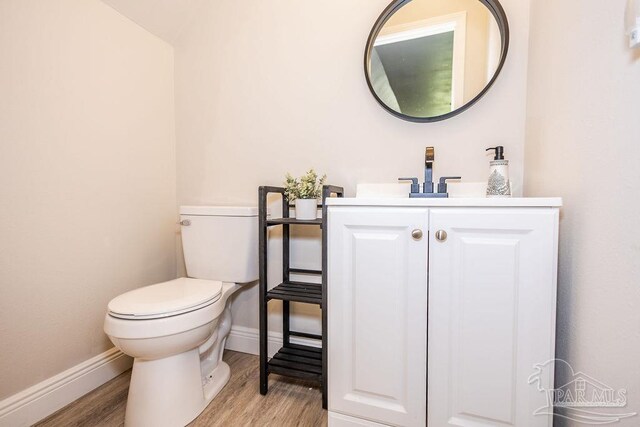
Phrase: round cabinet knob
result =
(416, 234)
(441, 235)
(185, 222)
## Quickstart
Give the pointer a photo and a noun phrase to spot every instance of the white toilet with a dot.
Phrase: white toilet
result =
(176, 330)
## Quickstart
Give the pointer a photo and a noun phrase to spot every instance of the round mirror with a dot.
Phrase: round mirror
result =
(428, 60)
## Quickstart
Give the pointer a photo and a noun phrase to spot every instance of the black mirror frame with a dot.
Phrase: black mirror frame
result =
(498, 13)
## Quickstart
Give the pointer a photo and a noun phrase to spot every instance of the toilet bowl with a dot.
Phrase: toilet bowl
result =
(176, 330)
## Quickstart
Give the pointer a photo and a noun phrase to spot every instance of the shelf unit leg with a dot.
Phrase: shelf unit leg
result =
(286, 247)
(324, 309)
(262, 241)
(286, 329)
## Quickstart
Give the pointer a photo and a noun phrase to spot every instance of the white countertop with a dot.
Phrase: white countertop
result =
(512, 202)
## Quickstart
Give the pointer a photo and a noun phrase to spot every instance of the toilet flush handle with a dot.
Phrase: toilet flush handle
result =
(185, 222)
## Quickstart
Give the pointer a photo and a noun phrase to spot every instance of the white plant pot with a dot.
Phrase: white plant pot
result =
(306, 209)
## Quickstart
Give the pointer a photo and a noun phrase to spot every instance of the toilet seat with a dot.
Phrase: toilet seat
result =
(166, 299)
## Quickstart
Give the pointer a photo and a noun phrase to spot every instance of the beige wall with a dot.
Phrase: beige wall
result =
(263, 88)
(583, 144)
(87, 178)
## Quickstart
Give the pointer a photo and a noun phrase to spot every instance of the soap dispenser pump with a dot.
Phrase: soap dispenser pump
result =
(498, 185)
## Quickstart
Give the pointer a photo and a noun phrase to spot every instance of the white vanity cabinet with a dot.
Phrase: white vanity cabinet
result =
(377, 299)
(475, 276)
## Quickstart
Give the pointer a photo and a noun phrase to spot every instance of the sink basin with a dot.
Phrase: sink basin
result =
(383, 191)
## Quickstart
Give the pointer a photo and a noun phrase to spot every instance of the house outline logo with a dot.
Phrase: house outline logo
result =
(579, 398)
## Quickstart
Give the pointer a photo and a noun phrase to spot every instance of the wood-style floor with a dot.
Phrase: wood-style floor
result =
(289, 402)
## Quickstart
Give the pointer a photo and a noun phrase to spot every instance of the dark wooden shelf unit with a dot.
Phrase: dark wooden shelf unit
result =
(293, 360)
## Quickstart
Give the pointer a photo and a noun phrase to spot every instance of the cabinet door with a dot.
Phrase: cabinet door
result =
(492, 294)
(377, 302)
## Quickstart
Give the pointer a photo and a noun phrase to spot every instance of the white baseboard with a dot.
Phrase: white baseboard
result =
(247, 340)
(43, 399)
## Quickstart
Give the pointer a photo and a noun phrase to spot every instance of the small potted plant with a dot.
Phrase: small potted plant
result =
(305, 192)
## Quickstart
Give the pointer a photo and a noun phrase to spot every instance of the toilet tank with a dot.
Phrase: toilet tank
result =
(220, 242)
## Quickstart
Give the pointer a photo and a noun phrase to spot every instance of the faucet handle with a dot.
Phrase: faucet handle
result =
(415, 187)
(429, 154)
(442, 184)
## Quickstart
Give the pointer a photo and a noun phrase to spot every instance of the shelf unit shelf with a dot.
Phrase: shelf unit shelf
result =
(293, 221)
(297, 361)
(310, 293)
(293, 360)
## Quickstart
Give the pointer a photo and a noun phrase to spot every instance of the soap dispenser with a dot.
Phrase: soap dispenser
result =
(498, 185)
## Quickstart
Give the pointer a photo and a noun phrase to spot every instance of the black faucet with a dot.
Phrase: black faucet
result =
(427, 187)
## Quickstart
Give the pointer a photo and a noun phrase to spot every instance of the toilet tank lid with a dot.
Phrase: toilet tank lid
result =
(219, 210)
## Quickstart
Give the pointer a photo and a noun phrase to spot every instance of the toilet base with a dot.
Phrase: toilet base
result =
(169, 392)
(219, 378)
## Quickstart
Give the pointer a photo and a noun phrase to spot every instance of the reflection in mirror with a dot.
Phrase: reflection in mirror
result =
(430, 59)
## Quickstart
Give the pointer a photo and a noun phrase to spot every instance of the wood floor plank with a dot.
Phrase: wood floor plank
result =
(289, 402)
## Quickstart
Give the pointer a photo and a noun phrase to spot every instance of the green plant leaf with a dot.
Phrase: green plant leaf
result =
(308, 186)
